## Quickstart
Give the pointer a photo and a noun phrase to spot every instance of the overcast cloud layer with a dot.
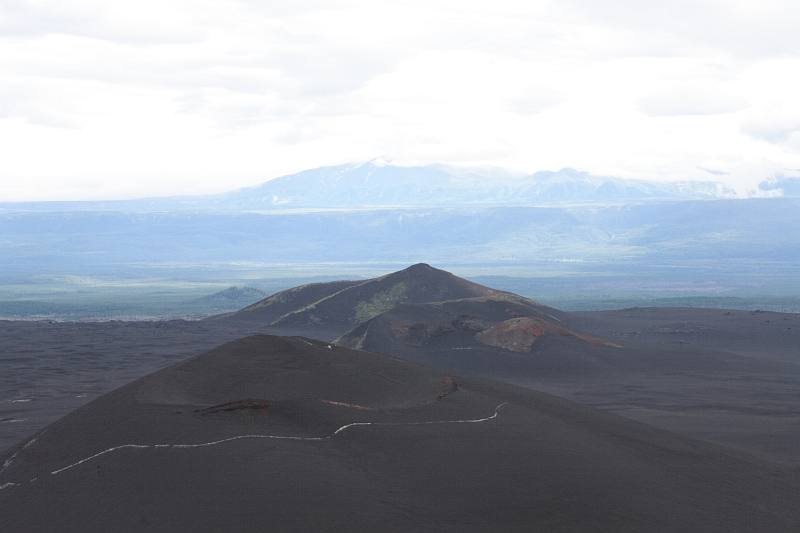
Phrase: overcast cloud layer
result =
(106, 99)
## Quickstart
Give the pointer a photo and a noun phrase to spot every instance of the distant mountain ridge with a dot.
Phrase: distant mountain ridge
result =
(377, 184)
(374, 184)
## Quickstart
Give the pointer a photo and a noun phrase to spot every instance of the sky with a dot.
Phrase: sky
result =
(102, 99)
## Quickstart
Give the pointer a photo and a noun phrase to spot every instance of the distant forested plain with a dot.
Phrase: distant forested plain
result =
(565, 237)
(118, 263)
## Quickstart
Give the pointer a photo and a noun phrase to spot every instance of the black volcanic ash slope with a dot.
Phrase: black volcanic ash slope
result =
(274, 307)
(256, 436)
(432, 316)
(724, 376)
(342, 305)
(505, 336)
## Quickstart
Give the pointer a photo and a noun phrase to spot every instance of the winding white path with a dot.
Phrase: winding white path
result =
(257, 436)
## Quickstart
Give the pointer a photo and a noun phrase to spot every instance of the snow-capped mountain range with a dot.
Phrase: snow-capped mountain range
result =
(378, 183)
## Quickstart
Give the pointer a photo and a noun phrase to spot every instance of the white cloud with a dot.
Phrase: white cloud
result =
(775, 128)
(124, 99)
(145, 21)
(690, 98)
(743, 28)
(775, 117)
(33, 104)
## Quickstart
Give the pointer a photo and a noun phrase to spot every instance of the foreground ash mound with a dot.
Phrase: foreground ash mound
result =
(290, 434)
(720, 375)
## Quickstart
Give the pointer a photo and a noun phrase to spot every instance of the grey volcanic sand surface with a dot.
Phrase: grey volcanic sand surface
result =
(738, 384)
(731, 377)
(727, 376)
(444, 454)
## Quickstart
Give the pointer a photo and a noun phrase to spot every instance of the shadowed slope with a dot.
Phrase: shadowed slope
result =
(289, 434)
